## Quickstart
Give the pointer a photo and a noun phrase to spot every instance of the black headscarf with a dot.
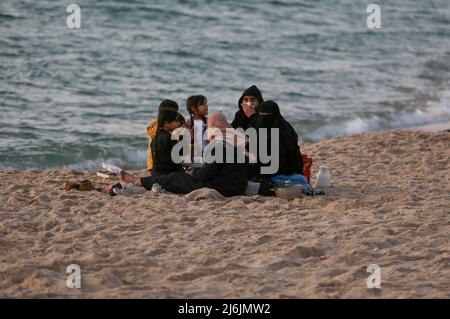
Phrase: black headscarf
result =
(269, 116)
(251, 91)
(240, 119)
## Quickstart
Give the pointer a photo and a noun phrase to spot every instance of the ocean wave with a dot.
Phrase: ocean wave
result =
(438, 112)
(128, 159)
(131, 159)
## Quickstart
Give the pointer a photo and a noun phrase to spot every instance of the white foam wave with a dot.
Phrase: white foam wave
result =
(136, 159)
(437, 113)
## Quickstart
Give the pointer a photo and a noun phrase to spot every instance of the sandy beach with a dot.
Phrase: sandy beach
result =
(389, 205)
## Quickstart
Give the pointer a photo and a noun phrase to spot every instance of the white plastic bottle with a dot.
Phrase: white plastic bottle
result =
(323, 178)
(129, 190)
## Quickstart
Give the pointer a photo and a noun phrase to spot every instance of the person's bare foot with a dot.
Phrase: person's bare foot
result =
(128, 178)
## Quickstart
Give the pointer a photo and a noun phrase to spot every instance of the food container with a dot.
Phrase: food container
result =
(252, 188)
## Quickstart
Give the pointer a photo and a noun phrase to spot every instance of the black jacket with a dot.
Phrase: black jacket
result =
(161, 147)
(290, 157)
(240, 119)
(229, 179)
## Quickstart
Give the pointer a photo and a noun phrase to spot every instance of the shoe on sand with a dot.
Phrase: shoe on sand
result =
(84, 185)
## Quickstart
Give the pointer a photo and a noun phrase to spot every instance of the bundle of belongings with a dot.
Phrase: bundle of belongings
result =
(295, 179)
(268, 185)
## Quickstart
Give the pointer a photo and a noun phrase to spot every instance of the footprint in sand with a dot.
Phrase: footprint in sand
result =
(264, 240)
(342, 205)
(294, 258)
(280, 264)
(156, 252)
(301, 252)
(189, 276)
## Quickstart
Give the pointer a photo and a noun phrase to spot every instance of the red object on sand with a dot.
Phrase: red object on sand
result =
(322, 256)
(307, 166)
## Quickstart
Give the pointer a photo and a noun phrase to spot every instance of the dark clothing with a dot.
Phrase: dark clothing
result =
(290, 158)
(291, 161)
(177, 182)
(229, 179)
(161, 147)
(240, 119)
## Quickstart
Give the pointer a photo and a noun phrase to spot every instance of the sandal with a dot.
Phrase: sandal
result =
(84, 185)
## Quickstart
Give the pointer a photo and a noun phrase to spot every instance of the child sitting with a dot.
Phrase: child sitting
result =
(152, 129)
(162, 143)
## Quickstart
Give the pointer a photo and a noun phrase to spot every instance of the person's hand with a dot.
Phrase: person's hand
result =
(188, 169)
(252, 158)
(248, 110)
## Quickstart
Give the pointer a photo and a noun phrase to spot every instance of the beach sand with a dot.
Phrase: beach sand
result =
(389, 205)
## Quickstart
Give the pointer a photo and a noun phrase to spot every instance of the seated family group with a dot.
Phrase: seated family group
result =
(225, 173)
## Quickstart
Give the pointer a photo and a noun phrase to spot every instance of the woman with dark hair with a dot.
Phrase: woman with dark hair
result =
(162, 143)
(289, 156)
(197, 107)
(228, 178)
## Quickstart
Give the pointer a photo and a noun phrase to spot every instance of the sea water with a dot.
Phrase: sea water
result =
(77, 97)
